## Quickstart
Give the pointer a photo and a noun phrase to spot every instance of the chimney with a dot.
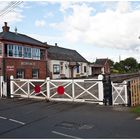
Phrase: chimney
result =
(56, 44)
(5, 27)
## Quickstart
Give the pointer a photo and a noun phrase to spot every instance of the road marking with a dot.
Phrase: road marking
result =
(138, 118)
(69, 136)
(17, 121)
(3, 118)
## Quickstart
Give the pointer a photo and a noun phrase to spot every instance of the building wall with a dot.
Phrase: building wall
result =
(11, 66)
(66, 72)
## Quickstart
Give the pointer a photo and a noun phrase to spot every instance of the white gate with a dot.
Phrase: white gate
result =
(77, 90)
(119, 93)
(3, 87)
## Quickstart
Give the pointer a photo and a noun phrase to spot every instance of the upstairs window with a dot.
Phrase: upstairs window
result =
(0, 49)
(10, 49)
(36, 53)
(17, 51)
(27, 52)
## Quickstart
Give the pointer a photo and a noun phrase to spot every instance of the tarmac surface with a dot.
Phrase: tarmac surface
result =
(28, 118)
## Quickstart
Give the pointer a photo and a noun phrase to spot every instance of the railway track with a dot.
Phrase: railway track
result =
(122, 77)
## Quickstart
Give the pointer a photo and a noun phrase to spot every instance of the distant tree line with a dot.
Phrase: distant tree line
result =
(129, 65)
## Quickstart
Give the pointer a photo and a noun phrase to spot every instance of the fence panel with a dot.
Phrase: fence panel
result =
(119, 93)
(28, 88)
(78, 90)
(135, 91)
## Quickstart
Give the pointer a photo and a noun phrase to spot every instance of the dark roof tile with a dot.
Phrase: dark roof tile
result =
(59, 53)
(16, 37)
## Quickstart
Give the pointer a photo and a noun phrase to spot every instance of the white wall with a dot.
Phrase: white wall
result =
(66, 70)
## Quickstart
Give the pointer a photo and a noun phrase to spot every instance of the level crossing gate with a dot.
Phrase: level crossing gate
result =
(119, 93)
(76, 90)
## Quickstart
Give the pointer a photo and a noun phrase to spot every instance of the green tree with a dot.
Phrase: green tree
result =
(130, 65)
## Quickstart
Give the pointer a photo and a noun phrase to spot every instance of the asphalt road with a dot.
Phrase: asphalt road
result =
(24, 118)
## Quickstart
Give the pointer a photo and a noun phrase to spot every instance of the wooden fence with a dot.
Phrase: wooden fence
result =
(135, 92)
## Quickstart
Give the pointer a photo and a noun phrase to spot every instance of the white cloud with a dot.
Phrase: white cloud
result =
(117, 28)
(11, 15)
(40, 23)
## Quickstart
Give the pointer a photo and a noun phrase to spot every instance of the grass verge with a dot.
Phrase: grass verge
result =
(136, 110)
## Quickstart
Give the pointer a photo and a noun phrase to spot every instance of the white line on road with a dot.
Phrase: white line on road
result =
(69, 136)
(3, 118)
(17, 121)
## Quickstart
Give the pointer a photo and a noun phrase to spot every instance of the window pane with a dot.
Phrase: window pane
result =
(56, 69)
(20, 73)
(27, 52)
(35, 73)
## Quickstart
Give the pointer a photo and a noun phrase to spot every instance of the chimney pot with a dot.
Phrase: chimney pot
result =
(5, 27)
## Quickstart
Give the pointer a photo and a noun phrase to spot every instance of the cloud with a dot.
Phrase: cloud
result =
(110, 28)
(40, 23)
(13, 14)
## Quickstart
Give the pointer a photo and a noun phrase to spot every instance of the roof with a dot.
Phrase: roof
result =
(21, 38)
(59, 53)
(100, 61)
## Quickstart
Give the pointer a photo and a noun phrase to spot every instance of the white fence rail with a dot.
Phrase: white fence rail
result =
(77, 90)
(119, 93)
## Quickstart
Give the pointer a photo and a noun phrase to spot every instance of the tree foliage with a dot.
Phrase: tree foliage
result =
(126, 66)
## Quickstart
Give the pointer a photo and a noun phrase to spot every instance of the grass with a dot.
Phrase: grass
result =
(136, 110)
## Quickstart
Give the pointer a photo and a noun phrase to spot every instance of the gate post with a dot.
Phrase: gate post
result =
(48, 87)
(73, 91)
(11, 85)
(129, 94)
(107, 90)
(1, 85)
(100, 88)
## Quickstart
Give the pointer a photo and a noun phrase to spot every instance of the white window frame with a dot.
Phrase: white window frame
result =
(27, 52)
(56, 69)
(10, 48)
(20, 73)
(36, 53)
(35, 75)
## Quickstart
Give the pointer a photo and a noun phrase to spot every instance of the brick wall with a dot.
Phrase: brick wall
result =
(12, 64)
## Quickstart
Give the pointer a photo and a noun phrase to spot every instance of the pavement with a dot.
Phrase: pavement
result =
(30, 118)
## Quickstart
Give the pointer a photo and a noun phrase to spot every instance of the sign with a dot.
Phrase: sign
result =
(10, 68)
(60, 90)
(28, 63)
(37, 89)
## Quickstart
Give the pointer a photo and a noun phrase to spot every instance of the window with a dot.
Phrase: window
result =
(36, 53)
(61, 64)
(27, 52)
(0, 49)
(56, 69)
(20, 73)
(85, 69)
(77, 69)
(35, 73)
(14, 50)
(17, 51)
(10, 50)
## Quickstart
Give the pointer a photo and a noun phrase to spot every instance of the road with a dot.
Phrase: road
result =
(26, 118)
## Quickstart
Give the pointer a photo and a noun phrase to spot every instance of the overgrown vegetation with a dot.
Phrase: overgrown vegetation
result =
(136, 110)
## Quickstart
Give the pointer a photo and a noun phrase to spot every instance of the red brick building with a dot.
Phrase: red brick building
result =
(21, 56)
(101, 66)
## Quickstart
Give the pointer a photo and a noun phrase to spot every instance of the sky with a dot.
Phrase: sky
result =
(96, 29)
